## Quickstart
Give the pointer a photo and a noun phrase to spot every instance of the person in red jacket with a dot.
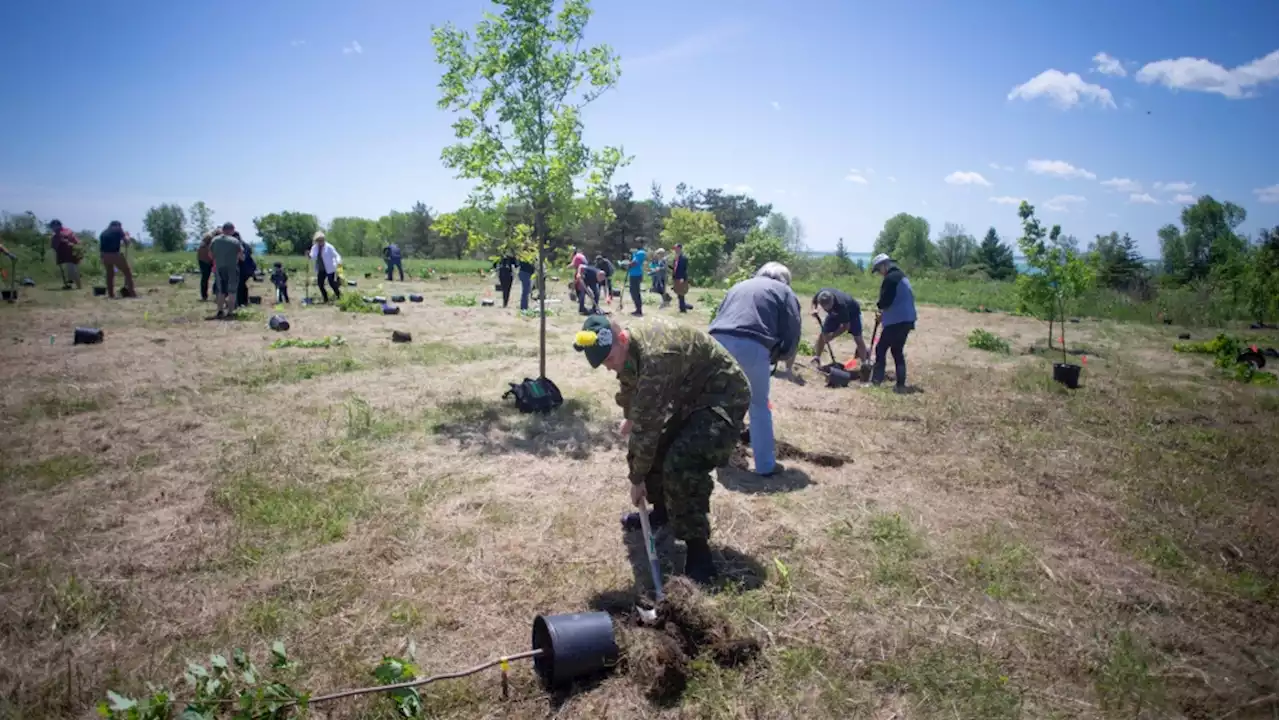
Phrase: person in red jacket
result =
(66, 254)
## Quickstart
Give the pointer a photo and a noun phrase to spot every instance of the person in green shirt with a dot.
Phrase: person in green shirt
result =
(227, 253)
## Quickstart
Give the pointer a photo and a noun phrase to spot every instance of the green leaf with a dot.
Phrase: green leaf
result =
(250, 677)
(239, 658)
(191, 713)
(279, 656)
(218, 662)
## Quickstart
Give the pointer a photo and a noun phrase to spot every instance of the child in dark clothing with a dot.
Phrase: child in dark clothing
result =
(281, 281)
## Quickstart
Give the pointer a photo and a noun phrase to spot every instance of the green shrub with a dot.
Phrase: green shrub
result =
(351, 302)
(983, 340)
(461, 300)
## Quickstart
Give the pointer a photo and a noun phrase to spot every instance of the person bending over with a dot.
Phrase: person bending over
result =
(843, 314)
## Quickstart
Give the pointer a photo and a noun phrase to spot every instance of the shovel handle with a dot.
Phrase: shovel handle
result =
(652, 551)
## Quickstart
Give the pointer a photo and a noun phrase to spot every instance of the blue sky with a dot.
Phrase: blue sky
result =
(840, 113)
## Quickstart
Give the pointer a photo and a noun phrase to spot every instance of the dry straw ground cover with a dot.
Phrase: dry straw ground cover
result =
(998, 547)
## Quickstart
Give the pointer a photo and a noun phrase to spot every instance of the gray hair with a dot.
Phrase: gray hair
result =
(825, 298)
(776, 271)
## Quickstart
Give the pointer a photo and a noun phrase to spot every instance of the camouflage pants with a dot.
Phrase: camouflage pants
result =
(681, 482)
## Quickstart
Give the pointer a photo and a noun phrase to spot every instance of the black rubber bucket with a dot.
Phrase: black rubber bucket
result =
(1251, 357)
(397, 298)
(1068, 374)
(88, 336)
(9, 295)
(389, 309)
(255, 299)
(99, 291)
(279, 323)
(175, 279)
(400, 337)
(574, 647)
(415, 298)
(486, 302)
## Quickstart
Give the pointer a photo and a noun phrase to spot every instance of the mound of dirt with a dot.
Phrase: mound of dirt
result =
(785, 451)
(656, 657)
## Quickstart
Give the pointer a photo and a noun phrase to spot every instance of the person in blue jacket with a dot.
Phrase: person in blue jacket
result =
(635, 276)
(897, 313)
(759, 324)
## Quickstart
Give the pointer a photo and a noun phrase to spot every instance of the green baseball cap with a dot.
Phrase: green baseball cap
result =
(595, 339)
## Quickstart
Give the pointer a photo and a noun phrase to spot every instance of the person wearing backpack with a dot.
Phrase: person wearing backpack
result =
(897, 313)
(683, 400)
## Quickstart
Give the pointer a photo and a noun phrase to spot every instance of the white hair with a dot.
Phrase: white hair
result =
(777, 271)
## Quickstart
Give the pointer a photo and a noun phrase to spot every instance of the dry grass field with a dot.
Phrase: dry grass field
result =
(996, 547)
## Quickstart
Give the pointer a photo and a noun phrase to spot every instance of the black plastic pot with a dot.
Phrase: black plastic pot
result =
(1068, 374)
(486, 302)
(379, 299)
(259, 277)
(498, 287)
(88, 336)
(400, 337)
(415, 298)
(1184, 336)
(255, 299)
(175, 279)
(99, 291)
(397, 298)
(1256, 359)
(279, 323)
(574, 647)
(308, 301)
(389, 309)
(9, 295)
(368, 275)
(28, 282)
(352, 283)
(837, 376)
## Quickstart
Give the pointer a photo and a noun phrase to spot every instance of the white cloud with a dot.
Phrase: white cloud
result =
(966, 178)
(1107, 65)
(353, 48)
(1058, 168)
(1178, 186)
(1185, 199)
(856, 176)
(1061, 203)
(1268, 194)
(998, 166)
(1006, 200)
(688, 47)
(775, 105)
(737, 189)
(1143, 199)
(1124, 185)
(1200, 75)
(297, 43)
(1065, 91)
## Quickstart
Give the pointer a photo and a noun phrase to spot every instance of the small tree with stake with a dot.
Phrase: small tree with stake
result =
(519, 89)
(1062, 275)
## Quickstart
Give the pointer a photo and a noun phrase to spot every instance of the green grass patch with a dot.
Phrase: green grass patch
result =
(1126, 679)
(52, 471)
(435, 353)
(363, 422)
(324, 342)
(1003, 568)
(896, 545)
(983, 340)
(353, 303)
(60, 404)
(273, 371)
(952, 682)
(279, 515)
(74, 605)
(460, 300)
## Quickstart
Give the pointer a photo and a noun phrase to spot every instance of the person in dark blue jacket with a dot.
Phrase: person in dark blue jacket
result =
(680, 277)
(843, 314)
(759, 324)
(248, 268)
(897, 314)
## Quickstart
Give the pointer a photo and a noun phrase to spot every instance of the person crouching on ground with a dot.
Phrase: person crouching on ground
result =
(843, 314)
(324, 263)
(759, 324)
(281, 280)
(897, 315)
(683, 398)
(227, 253)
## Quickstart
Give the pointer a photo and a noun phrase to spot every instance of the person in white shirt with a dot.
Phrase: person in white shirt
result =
(325, 261)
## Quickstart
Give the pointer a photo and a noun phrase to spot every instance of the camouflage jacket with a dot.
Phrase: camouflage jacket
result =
(672, 370)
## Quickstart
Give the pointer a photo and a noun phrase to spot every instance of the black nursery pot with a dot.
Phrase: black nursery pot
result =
(1068, 374)
(415, 298)
(9, 295)
(574, 647)
(99, 291)
(88, 336)
(175, 279)
(837, 376)
(389, 309)
(255, 299)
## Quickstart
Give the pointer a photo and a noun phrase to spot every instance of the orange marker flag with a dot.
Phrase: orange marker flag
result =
(1084, 359)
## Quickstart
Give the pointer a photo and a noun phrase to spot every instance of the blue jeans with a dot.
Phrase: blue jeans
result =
(753, 358)
(526, 279)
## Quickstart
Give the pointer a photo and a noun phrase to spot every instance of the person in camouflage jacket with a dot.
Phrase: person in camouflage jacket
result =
(683, 398)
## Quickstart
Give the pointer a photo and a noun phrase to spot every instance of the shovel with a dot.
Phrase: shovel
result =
(655, 569)
(864, 370)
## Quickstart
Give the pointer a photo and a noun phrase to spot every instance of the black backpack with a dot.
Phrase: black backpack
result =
(540, 396)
